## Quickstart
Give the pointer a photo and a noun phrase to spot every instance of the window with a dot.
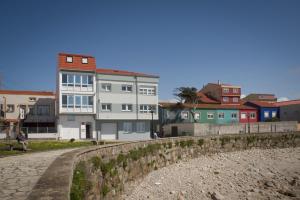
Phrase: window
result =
(147, 108)
(64, 79)
(197, 116)
(84, 80)
(126, 107)
(235, 99)
(31, 110)
(243, 115)
(184, 115)
(43, 110)
(226, 90)
(70, 80)
(252, 115)
(210, 115)
(266, 114)
(77, 101)
(69, 59)
(274, 113)
(70, 101)
(127, 88)
(127, 127)
(90, 80)
(91, 101)
(106, 87)
(147, 90)
(10, 108)
(77, 80)
(84, 60)
(84, 101)
(233, 115)
(221, 115)
(106, 107)
(235, 90)
(141, 127)
(32, 98)
(64, 101)
(225, 99)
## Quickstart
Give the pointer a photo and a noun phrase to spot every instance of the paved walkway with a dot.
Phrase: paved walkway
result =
(19, 174)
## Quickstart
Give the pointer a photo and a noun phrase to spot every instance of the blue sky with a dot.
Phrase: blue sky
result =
(254, 44)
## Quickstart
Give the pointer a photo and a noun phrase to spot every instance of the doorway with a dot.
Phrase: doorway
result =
(174, 131)
(88, 131)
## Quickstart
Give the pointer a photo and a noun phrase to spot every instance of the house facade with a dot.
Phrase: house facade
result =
(33, 111)
(289, 110)
(223, 93)
(266, 111)
(104, 103)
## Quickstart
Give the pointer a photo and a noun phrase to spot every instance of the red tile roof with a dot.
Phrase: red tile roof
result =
(123, 73)
(206, 106)
(27, 92)
(225, 85)
(77, 65)
(263, 104)
(204, 99)
(287, 103)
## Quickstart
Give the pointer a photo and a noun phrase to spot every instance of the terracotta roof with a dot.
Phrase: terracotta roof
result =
(263, 104)
(287, 103)
(206, 106)
(123, 73)
(204, 99)
(75, 55)
(27, 92)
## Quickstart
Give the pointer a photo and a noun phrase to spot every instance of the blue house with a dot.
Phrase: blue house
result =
(266, 110)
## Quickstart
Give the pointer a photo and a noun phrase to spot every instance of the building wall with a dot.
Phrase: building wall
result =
(247, 113)
(69, 126)
(290, 113)
(28, 102)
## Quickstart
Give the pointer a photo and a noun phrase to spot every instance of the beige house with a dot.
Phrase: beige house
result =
(34, 111)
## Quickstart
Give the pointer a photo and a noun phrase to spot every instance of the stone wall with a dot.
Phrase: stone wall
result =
(104, 172)
(200, 129)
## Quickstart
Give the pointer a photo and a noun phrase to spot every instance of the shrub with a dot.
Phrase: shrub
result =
(96, 161)
(200, 142)
(72, 140)
(80, 184)
(104, 190)
(224, 140)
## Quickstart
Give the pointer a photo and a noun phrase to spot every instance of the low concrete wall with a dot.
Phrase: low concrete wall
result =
(200, 129)
(107, 170)
(36, 136)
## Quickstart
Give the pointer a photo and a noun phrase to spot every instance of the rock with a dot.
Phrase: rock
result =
(216, 172)
(172, 192)
(269, 184)
(180, 196)
(157, 183)
(216, 196)
(287, 193)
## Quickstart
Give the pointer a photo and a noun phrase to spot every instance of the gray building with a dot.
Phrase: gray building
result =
(289, 110)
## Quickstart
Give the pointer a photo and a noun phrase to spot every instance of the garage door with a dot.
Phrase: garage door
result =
(108, 131)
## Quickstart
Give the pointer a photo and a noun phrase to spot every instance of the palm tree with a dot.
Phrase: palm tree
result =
(186, 94)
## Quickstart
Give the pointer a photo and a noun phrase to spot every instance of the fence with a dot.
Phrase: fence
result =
(30, 132)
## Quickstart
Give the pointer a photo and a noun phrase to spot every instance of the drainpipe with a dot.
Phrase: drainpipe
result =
(137, 98)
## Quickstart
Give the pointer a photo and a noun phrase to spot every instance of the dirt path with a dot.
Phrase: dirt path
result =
(251, 174)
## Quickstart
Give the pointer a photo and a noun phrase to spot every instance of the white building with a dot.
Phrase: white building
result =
(102, 103)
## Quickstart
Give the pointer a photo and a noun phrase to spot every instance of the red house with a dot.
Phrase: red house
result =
(248, 114)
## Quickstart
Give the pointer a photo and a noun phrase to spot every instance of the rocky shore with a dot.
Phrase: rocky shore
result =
(251, 174)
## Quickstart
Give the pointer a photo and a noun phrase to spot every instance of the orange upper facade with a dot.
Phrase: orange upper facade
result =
(76, 62)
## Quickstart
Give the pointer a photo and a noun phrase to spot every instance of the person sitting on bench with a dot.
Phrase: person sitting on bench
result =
(22, 140)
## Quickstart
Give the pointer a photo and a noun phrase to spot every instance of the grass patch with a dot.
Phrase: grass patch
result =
(251, 139)
(200, 142)
(224, 140)
(36, 146)
(104, 190)
(80, 184)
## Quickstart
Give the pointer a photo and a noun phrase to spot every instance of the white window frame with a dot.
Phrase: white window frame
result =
(127, 88)
(106, 87)
(147, 108)
(84, 60)
(69, 59)
(149, 91)
(243, 115)
(184, 115)
(274, 114)
(235, 90)
(234, 114)
(107, 107)
(197, 115)
(252, 115)
(266, 114)
(235, 99)
(127, 106)
(227, 99)
(210, 115)
(222, 114)
(226, 90)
